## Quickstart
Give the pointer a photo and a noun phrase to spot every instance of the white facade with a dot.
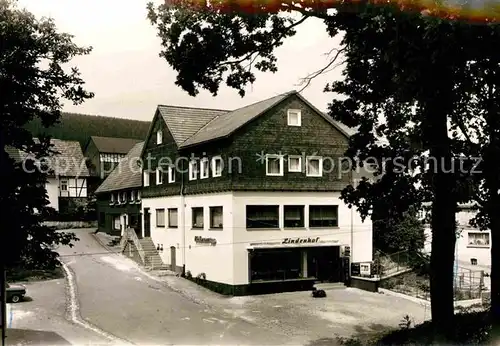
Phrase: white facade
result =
(222, 254)
(52, 187)
(473, 245)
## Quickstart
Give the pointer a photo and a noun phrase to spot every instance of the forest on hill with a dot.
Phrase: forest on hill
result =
(79, 127)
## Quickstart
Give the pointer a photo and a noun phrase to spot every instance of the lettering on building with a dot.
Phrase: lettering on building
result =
(300, 240)
(201, 240)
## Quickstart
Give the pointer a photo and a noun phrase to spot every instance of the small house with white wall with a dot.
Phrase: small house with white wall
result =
(67, 174)
(473, 249)
(249, 199)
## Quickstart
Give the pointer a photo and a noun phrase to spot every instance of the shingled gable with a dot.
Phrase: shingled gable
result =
(112, 145)
(68, 162)
(125, 175)
(226, 124)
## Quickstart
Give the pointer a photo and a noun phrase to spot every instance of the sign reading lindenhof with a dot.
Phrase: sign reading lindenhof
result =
(300, 240)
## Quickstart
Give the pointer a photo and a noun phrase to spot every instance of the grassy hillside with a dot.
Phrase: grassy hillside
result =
(79, 127)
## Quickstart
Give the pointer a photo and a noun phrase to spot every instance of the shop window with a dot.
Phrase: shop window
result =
(216, 217)
(117, 223)
(323, 216)
(160, 217)
(172, 218)
(267, 265)
(294, 216)
(197, 217)
(262, 216)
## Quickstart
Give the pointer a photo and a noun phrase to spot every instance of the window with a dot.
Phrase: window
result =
(138, 195)
(294, 164)
(215, 217)
(294, 117)
(64, 185)
(314, 166)
(117, 223)
(323, 215)
(216, 166)
(294, 216)
(479, 239)
(160, 217)
(197, 217)
(124, 197)
(193, 170)
(171, 174)
(274, 165)
(159, 176)
(172, 217)
(159, 136)
(204, 168)
(112, 198)
(132, 196)
(262, 216)
(145, 178)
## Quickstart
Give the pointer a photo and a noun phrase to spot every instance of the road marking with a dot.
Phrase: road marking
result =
(75, 310)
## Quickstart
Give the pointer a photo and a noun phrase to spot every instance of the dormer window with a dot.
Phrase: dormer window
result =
(159, 176)
(138, 196)
(159, 136)
(145, 177)
(112, 198)
(193, 170)
(294, 117)
(132, 196)
(124, 197)
(204, 168)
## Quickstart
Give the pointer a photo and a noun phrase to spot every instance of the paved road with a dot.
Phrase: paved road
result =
(119, 299)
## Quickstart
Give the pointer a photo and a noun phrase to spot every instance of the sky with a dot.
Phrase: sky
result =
(129, 79)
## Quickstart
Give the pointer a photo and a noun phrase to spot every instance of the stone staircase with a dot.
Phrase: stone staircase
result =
(152, 259)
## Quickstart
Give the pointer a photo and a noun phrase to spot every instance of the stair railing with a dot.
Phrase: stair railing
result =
(131, 235)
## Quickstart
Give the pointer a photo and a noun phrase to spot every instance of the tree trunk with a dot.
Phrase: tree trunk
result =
(443, 225)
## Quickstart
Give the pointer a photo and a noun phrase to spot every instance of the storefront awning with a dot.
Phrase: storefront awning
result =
(294, 243)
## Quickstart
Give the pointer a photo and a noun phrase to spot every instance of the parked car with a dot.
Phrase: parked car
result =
(15, 293)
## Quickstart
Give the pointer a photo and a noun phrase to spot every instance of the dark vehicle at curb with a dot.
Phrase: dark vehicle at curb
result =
(15, 293)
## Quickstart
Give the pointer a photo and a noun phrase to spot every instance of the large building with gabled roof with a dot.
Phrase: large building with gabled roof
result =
(249, 199)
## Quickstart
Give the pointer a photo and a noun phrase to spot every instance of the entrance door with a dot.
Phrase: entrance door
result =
(147, 223)
(173, 259)
(324, 263)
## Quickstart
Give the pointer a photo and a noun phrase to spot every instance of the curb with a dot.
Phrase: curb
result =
(94, 235)
(419, 301)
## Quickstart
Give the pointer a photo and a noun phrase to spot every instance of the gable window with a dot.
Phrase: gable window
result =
(294, 163)
(323, 216)
(159, 176)
(215, 217)
(197, 217)
(274, 165)
(262, 216)
(160, 217)
(314, 166)
(145, 178)
(171, 174)
(294, 117)
(172, 218)
(193, 170)
(204, 168)
(294, 216)
(479, 239)
(159, 136)
(216, 166)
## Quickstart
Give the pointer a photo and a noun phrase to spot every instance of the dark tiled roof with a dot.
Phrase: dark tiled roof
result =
(113, 145)
(126, 175)
(68, 162)
(183, 122)
(225, 124)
